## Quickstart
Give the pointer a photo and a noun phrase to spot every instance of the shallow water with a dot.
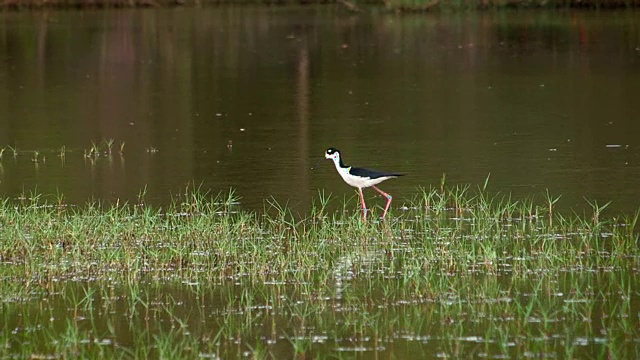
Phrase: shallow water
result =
(249, 98)
(365, 309)
(486, 280)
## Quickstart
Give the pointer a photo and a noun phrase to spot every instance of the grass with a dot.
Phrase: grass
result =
(101, 149)
(455, 272)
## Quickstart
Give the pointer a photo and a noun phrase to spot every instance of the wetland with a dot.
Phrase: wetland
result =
(159, 199)
(456, 273)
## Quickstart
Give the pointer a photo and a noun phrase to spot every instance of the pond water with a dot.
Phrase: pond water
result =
(249, 98)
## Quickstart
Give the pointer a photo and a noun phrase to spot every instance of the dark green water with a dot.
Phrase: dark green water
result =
(536, 99)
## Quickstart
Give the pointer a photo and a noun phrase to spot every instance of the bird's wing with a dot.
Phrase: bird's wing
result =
(371, 174)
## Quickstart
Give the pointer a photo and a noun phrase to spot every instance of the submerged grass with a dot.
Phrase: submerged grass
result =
(454, 271)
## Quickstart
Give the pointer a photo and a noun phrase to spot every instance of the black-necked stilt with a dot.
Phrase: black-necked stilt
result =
(361, 178)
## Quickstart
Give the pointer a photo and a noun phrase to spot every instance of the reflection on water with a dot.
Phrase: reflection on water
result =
(369, 307)
(249, 98)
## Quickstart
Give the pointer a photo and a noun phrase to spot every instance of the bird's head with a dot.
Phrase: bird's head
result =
(333, 154)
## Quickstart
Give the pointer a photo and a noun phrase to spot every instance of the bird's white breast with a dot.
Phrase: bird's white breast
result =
(357, 181)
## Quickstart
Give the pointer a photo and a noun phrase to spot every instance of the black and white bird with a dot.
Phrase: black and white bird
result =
(361, 178)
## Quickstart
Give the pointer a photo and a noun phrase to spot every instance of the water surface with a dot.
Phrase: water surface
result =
(249, 98)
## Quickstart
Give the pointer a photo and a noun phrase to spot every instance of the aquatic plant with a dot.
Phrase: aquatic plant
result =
(455, 271)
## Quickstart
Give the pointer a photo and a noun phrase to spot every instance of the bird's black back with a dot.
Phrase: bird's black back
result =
(372, 174)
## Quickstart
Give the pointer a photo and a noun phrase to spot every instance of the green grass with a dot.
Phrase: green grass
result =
(454, 272)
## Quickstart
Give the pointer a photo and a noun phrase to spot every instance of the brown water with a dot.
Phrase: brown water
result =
(353, 325)
(249, 99)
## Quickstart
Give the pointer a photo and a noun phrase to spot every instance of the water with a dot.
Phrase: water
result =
(249, 98)
(366, 308)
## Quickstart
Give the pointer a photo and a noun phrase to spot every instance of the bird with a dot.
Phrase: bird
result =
(361, 178)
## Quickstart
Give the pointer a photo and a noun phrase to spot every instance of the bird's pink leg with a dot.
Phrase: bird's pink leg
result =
(364, 206)
(389, 197)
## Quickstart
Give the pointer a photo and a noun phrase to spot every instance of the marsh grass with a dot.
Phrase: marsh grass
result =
(453, 272)
(101, 149)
